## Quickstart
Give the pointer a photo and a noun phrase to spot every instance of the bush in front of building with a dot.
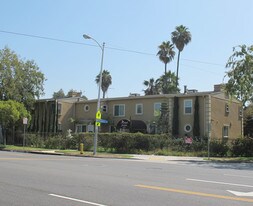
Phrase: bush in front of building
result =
(132, 142)
(239, 147)
(242, 147)
(162, 144)
(219, 148)
(58, 141)
(34, 140)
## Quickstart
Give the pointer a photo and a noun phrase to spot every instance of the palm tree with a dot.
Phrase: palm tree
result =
(166, 53)
(151, 87)
(180, 37)
(106, 81)
(167, 83)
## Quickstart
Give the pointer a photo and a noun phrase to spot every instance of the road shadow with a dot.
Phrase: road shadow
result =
(218, 165)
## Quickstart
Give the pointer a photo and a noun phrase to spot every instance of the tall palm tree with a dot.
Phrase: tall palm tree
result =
(151, 87)
(166, 53)
(106, 81)
(180, 37)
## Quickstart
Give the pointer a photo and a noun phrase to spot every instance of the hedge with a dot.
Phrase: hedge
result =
(142, 143)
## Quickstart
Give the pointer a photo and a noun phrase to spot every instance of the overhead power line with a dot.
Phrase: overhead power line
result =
(112, 48)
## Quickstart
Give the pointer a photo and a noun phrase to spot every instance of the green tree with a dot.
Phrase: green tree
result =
(240, 75)
(163, 122)
(20, 80)
(248, 120)
(59, 94)
(11, 114)
(196, 127)
(167, 83)
(180, 37)
(166, 53)
(106, 81)
(175, 122)
(152, 88)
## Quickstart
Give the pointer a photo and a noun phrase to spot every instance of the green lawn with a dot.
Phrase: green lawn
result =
(114, 155)
(66, 152)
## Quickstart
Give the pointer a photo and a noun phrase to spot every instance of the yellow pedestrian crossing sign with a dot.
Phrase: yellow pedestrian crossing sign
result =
(98, 115)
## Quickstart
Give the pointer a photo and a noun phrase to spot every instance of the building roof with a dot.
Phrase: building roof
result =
(65, 99)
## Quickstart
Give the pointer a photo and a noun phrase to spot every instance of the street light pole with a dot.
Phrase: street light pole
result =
(99, 88)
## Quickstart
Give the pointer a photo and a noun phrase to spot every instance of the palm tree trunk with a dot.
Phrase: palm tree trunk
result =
(165, 72)
(178, 57)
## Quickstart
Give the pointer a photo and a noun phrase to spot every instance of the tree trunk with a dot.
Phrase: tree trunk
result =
(178, 57)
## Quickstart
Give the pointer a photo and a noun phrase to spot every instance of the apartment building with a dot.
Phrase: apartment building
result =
(218, 115)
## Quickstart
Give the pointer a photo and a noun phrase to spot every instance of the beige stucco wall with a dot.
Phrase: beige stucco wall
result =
(220, 118)
(130, 109)
(212, 115)
(185, 119)
(67, 112)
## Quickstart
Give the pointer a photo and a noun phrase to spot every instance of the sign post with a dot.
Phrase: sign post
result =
(25, 120)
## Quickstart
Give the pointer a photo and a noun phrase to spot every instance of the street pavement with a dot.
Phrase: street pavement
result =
(35, 179)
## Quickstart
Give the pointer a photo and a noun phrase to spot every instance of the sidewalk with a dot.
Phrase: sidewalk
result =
(150, 158)
(175, 159)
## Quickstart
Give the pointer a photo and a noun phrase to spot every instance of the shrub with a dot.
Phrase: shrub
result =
(34, 140)
(218, 148)
(242, 147)
(131, 142)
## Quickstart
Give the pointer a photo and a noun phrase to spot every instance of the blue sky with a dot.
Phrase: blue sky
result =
(133, 25)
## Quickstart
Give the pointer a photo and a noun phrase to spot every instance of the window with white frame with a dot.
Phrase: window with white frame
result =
(225, 131)
(86, 107)
(119, 110)
(187, 128)
(188, 106)
(157, 109)
(139, 109)
(80, 128)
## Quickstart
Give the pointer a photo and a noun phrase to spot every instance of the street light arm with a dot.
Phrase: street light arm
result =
(89, 37)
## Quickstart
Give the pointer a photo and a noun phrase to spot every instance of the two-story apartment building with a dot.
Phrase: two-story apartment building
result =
(219, 116)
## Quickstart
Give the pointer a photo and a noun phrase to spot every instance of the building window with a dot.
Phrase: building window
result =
(104, 108)
(188, 106)
(157, 109)
(187, 128)
(119, 110)
(86, 108)
(226, 108)
(139, 109)
(80, 128)
(59, 108)
(225, 131)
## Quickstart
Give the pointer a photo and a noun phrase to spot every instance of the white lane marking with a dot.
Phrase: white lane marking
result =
(76, 200)
(238, 176)
(241, 194)
(221, 183)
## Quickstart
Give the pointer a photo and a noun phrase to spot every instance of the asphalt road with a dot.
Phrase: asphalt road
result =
(45, 180)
